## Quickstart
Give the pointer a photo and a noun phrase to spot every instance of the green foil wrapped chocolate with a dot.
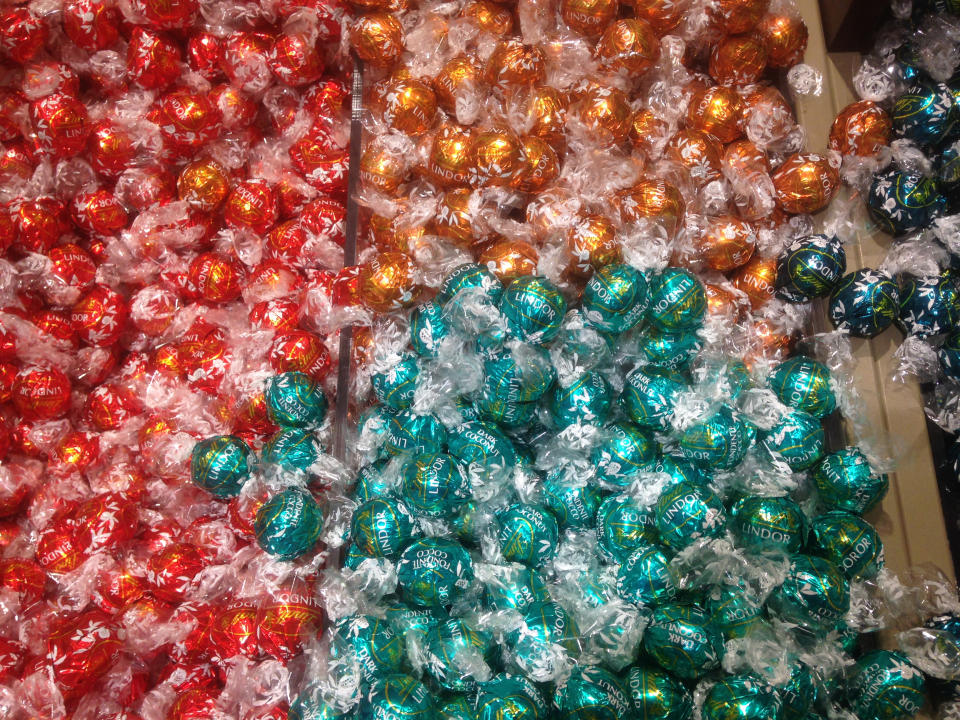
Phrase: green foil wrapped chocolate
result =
(627, 450)
(518, 375)
(413, 433)
(804, 383)
(397, 697)
(586, 400)
(721, 441)
(527, 534)
(656, 695)
(885, 686)
(677, 301)
(574, 503)
(395, 387)
(646, 578)
(292, 449)
(220, 465)
(294, 399)
(593, 693)
(288, 524)
(470, 276)
(434, 485)
(845, 481)
(768, 524)
(683, 641)
(741, 697)
(429, 327)
(797, 439)
(615, 298)
(686, 513)
(434, 572)
(623, 526)
(510, 697)
(369, 642)
(815, 594)
(650, 394)
(453, 649)
(382, 527)
(533, 308)
(849, 542)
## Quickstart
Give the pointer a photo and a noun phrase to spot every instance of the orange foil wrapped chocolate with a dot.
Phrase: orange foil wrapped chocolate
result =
(663, 15)
(717, 111)
(589, 17)
(592, 243)
(513, 63)
(377, 39)
(541, 165)
(739, 16)
(457, 78)
(382, 168)
(698, 152)
(757, 280)
(497, 158)
(652, 199)
(389, 282)
(605, 111)
(510, 259)
(409, 106)
(861, 129)
(726, 243)
(738, 60)
(786, 39)
(630, 45)
(451, 156)
(489, 16)
(454, 218)
(805, 183)
(203, 184)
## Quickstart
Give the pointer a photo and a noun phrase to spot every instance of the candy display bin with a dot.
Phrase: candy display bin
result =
(911, 517)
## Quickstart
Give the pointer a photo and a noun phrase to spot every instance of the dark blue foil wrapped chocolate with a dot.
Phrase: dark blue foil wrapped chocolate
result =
(903, 203)
(925, 113)
(865, 303)
(810, 267)
(929, 306)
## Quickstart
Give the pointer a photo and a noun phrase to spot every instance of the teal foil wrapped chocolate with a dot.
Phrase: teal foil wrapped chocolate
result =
(397, 697)
(369, 642)
(845, 481)
(593, 693)
(627, 450)
(768, 524)
(429, 327)
(528, 534)
(382, 527)
(288, 524)
(925, 113)
(448, 645)
(413, 433)
(295, 399)
(291, 448)
(434, 572)
(646, 578)
(686, 513)
(849, 542)
(586, 400)
(677, 301)
(615, 298)
(721, 441)
(798, 440)
(482, 443)
(810, 267)
(510, 697)
(395, 387)
(623, 526)
(733, 610)
(815, 594)
(518, 375)
(220, 465)
(434, 485)
(516, 587)
(929, 306)
(650, 395)
(470, 276)
(741, 697)
(669, 349)
(656, 695)
(683, 641)
(885, 686)
(804, 383)
(533, 308)
(573, 502)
